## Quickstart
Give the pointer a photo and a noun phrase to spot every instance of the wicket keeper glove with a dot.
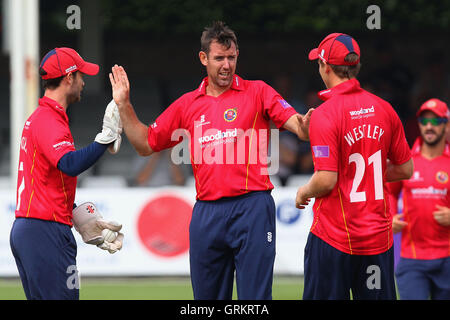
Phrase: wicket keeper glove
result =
(89, 223)
(111, 128)
(114, 246)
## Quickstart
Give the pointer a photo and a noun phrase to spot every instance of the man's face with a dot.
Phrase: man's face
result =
(431, 134)
(74, 94)
(220, 63)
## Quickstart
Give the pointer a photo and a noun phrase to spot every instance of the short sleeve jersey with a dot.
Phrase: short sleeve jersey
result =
(354, 133)
(43, 191)
(423, 237)
(228, 135)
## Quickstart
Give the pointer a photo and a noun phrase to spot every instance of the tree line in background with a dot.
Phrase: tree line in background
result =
(180, 17)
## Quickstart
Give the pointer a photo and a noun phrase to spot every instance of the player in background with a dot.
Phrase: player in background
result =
(41, 239)
(233, 221)
(352, 136)
(423, 270)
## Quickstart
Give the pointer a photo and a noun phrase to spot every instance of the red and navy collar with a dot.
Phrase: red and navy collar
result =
(345, 87)
(237, 84)
(52, 104)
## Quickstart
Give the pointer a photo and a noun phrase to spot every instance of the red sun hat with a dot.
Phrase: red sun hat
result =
(334, 48)
(436, 106)
(60, 61)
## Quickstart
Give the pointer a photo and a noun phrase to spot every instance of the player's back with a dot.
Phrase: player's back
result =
(359, 132)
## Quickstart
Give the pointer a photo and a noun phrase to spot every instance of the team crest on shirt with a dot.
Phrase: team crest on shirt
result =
(230, 114)
(442, 177)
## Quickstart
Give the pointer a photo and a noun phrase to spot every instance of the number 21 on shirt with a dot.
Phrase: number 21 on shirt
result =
(375, 161)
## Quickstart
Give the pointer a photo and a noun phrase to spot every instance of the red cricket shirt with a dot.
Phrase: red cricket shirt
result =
(229, 135)
(43, 191)
(423, 237)
(354, 133)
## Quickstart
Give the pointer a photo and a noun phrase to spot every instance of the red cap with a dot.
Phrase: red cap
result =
(60, 61)
(334, 48)
(436, 106)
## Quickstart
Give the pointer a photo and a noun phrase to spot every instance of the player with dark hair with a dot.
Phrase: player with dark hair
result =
(423, 270)
(352, 136)
(227, 117)
(41, 238)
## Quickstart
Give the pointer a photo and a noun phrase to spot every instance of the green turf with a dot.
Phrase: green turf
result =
(284, 288)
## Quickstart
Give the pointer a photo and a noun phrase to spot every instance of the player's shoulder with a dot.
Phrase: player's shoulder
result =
(255, 84)
(42, 113)
(45, 118)
(185, 99)
(326, 108)
(378, 100)
(325, 113)
(446, 153)
(239, 82)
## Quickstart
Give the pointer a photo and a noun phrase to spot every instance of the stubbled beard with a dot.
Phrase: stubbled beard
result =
(435, 141)
(223, 83)
(73, 97)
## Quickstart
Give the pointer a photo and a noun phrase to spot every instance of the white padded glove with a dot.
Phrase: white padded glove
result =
(111, 128)
(114, 246)
(114, 148)
(89, 223)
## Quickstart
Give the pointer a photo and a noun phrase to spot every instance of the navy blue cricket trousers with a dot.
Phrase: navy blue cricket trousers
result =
(423, 279)
(228, 235)
(45, 254)
(331, 274)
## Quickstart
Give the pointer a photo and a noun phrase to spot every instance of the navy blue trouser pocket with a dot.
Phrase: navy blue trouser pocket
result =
(45, 254)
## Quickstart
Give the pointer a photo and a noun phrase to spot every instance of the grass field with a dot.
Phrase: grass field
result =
(284, 288)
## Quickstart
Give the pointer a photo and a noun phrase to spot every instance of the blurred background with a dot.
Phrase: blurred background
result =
(404, 60)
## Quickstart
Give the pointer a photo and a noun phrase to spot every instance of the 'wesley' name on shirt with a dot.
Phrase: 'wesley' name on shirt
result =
(363, 131)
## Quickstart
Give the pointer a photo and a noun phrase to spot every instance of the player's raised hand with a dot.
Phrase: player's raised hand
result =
(397, 223)
(303, 124)
(120, 85)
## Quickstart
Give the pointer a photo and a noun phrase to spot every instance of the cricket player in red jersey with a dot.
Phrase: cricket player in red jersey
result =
(41, 237)
(352, 135)
(423, 271)
(228, 120)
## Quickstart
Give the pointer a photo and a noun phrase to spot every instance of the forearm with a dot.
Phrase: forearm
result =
(75, 162)
(299, 124)
(135, 130)
(399, 172)
(293, 125)
(320, 184)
